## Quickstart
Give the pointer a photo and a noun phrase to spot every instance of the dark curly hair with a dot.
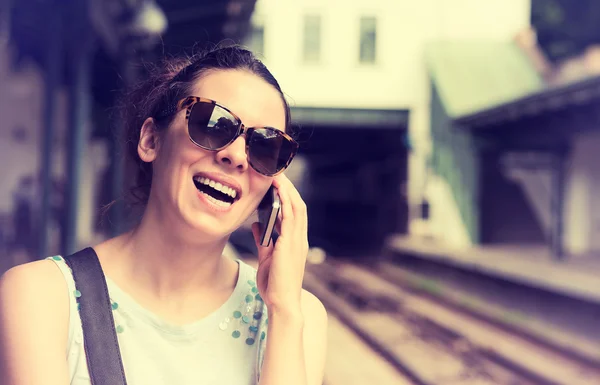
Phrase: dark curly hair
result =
(170, 81)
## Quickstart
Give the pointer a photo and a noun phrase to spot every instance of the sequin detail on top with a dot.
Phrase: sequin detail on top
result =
(77, 294)
(141, 336)
(246, 319)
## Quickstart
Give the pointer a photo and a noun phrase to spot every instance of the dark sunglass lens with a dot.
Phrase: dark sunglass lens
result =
(210, 126)
(269, 150)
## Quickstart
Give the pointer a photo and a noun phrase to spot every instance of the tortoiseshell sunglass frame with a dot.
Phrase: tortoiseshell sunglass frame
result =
(188, 103)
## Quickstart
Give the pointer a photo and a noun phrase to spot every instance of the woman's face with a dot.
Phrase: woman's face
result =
(179, 163)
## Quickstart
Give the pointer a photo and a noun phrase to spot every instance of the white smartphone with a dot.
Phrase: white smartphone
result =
(268, 210)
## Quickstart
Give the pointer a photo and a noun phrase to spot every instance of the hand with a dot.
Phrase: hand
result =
(281, 265)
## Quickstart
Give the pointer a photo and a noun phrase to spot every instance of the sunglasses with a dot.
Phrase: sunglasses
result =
(213, 127)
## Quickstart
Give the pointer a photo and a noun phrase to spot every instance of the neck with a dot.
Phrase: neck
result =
(174, 262)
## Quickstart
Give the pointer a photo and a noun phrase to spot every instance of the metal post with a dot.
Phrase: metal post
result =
(79, 111)
(557, 204)
(51, 83)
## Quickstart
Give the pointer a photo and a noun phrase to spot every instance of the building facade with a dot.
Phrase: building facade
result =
(372, 55)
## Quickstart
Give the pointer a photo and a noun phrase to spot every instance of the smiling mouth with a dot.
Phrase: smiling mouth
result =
(222, 195)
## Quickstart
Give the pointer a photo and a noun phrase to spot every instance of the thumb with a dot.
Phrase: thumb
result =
(263, 251)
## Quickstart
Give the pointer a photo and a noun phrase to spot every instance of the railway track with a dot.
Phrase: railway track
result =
(432, 343)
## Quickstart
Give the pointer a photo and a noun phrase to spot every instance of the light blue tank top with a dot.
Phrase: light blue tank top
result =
(225, 348)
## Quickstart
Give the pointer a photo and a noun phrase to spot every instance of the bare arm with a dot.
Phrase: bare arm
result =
(34, 319)
(295, 353)
(296, 346)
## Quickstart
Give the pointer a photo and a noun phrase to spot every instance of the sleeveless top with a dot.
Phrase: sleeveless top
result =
(225, 347)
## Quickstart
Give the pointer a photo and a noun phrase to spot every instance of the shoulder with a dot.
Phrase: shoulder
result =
(34, 322)
(38, 288)
(39, 279)
(315, 337)
(313, 308)
(315, 319)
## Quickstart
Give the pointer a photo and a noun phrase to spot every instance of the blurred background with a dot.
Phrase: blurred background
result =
(449, 160)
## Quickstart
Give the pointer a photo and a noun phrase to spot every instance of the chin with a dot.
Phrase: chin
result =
(209, 218)
(208, 226)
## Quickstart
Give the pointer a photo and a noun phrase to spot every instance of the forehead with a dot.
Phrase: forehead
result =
(247, 95)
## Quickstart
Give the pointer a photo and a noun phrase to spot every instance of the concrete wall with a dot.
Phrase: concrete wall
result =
(398, 79)
(537, 186)
(582, 206)
(582, 194)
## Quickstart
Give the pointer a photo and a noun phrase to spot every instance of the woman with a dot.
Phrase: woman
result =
(184, 313)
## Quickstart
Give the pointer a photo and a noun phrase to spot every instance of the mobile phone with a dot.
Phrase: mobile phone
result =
(268, 210)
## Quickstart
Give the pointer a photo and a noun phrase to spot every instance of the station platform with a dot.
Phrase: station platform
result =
(576, 277)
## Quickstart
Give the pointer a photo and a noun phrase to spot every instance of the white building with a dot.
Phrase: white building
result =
(372, 55)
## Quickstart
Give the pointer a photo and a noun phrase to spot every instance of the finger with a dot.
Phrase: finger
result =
(300, 210)
(278, 222)
(297, 203)
(287, 213)
(296, 199)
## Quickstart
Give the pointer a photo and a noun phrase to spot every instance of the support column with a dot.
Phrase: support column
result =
(54, 53)
(557, 207)
(79, 111)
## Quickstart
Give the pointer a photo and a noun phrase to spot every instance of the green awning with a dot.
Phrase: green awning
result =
(471, 76)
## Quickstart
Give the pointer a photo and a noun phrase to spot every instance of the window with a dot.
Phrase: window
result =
(368, 39)
(256, 40)
(312, 38)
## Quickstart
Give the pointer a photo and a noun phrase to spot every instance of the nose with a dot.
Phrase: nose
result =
(234, 155)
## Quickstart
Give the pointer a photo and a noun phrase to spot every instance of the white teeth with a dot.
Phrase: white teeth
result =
(217, 186)
(216, 201)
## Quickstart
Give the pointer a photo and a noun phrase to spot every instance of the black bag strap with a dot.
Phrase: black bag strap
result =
(101, 343)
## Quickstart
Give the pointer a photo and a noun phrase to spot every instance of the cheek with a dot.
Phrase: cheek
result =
(259, 185)
(171, 168)
(179, 153)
